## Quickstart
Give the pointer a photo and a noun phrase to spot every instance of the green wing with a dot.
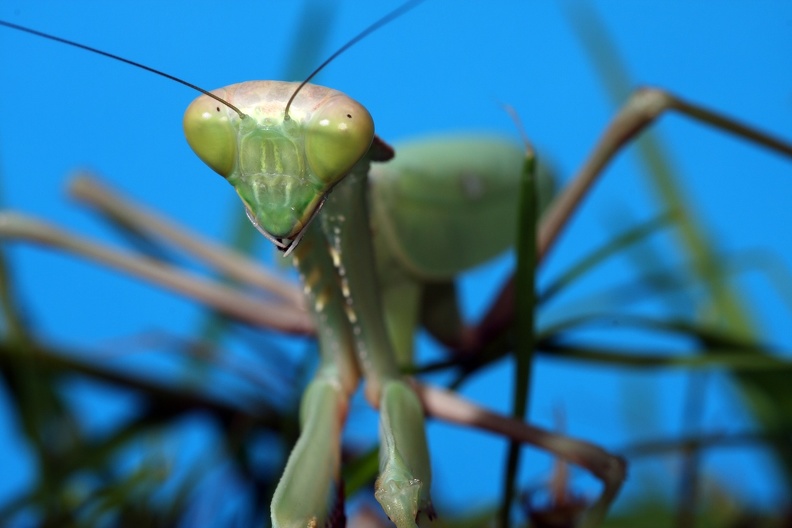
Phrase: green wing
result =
(448, 203)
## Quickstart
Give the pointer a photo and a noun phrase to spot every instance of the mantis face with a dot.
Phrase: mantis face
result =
(282, 167)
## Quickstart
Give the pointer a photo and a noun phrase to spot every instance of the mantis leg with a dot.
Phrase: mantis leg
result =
(440, 313)
(310, 492)
(405, 476)
(608, 468)
(640, 111)
(396, 296)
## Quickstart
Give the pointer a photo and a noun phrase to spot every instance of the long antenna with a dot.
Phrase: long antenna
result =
(387, 19)
(122, 59)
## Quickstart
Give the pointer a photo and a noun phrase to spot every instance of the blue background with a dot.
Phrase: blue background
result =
(444, 67)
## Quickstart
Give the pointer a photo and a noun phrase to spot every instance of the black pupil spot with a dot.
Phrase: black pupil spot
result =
(349, 116)
(218, 108)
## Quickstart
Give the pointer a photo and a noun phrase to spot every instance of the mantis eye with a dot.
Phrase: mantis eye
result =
(211, 135)
(338, 134)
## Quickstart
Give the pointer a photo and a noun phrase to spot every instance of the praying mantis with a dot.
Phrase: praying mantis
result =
(378, 120)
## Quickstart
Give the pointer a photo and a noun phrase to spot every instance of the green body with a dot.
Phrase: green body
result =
(438, 208)
(443, 205)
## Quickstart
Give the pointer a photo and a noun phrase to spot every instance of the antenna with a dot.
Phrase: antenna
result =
(122, 59)
(387, 19)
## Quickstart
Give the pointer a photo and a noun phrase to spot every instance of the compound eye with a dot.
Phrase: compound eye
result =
(211, 134)
(338, 134)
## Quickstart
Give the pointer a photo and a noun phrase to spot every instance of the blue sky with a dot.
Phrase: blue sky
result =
(444, 67)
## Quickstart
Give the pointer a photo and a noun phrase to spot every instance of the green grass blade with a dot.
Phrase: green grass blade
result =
(612, 247)
(768, 394)
(732, 359)
(524, 320)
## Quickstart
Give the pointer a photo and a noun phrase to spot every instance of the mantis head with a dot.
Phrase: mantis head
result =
(282, 165)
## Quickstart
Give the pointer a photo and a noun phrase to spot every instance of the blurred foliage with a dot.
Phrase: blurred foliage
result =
(135, 473)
